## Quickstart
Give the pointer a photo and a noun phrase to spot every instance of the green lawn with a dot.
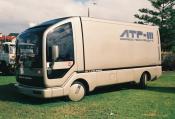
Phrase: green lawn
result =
(114, 102)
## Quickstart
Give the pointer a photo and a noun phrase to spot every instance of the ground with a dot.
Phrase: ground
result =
(113, 102)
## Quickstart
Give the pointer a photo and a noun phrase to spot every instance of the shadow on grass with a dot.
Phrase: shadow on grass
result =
(2, 74)
(9, 93)
(127, 86)
(161, 89)
(113, 88)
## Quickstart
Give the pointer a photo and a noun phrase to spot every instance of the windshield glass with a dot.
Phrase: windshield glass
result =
(29, 48)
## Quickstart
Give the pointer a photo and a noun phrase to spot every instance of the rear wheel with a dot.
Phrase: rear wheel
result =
(143, 81)
(77, 91)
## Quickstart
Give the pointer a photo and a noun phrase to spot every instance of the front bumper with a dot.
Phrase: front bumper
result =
(40, 92)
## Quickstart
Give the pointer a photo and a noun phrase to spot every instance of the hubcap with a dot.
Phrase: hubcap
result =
(145, 78)
(77, 92)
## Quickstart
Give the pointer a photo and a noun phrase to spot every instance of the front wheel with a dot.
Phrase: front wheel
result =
(77, 91)
(143, 81)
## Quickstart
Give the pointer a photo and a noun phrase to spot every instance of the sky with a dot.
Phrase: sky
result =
(18, 15)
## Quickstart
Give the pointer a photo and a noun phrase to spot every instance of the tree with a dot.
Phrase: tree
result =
(163, 16)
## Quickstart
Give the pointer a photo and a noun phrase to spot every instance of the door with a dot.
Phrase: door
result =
(61, 36)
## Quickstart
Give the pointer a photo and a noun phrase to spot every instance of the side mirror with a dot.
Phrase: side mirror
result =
(55, 52)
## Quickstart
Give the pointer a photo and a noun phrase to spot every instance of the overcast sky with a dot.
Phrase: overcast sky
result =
(16, 15)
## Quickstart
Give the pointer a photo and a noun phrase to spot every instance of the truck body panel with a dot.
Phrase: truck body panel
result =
(106, 49)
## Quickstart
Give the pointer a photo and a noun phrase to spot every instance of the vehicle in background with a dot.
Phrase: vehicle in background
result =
(7, 57)
(74, 55)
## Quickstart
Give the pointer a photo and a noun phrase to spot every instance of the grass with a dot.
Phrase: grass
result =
(114, 102)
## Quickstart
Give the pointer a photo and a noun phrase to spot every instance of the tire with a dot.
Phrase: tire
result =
(11, 70)
(143, 81)
(77, 91)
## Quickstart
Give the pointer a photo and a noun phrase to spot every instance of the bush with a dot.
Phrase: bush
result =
(168, 61)
(173, 49)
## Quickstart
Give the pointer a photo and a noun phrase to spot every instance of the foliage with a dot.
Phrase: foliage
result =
(163, 16)
(168, 61)
(173, 49)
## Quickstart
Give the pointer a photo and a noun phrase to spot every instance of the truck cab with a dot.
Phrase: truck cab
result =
(7, 57)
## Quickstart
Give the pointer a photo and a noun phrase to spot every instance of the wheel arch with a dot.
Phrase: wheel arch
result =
(148, 74)
(84, 82)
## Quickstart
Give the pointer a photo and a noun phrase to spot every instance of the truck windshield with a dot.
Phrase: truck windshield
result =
(29, 48)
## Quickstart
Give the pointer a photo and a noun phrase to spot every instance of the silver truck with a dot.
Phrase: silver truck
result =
(72, 56)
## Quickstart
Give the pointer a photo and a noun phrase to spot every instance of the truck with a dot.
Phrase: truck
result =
(7, 57)
(72, 56)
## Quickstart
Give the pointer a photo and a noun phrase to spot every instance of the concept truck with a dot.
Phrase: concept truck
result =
(74, 55)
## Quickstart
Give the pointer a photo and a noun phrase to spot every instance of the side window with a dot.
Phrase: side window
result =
(63, 37)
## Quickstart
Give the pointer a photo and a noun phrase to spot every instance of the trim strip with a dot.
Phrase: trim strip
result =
(120, 68)
(83, 44)
(131, 67)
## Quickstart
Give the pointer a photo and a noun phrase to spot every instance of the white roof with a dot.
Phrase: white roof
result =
(9, 43)
(118, 22)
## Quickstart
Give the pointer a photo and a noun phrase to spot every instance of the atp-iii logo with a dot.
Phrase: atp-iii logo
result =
(136, 35)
